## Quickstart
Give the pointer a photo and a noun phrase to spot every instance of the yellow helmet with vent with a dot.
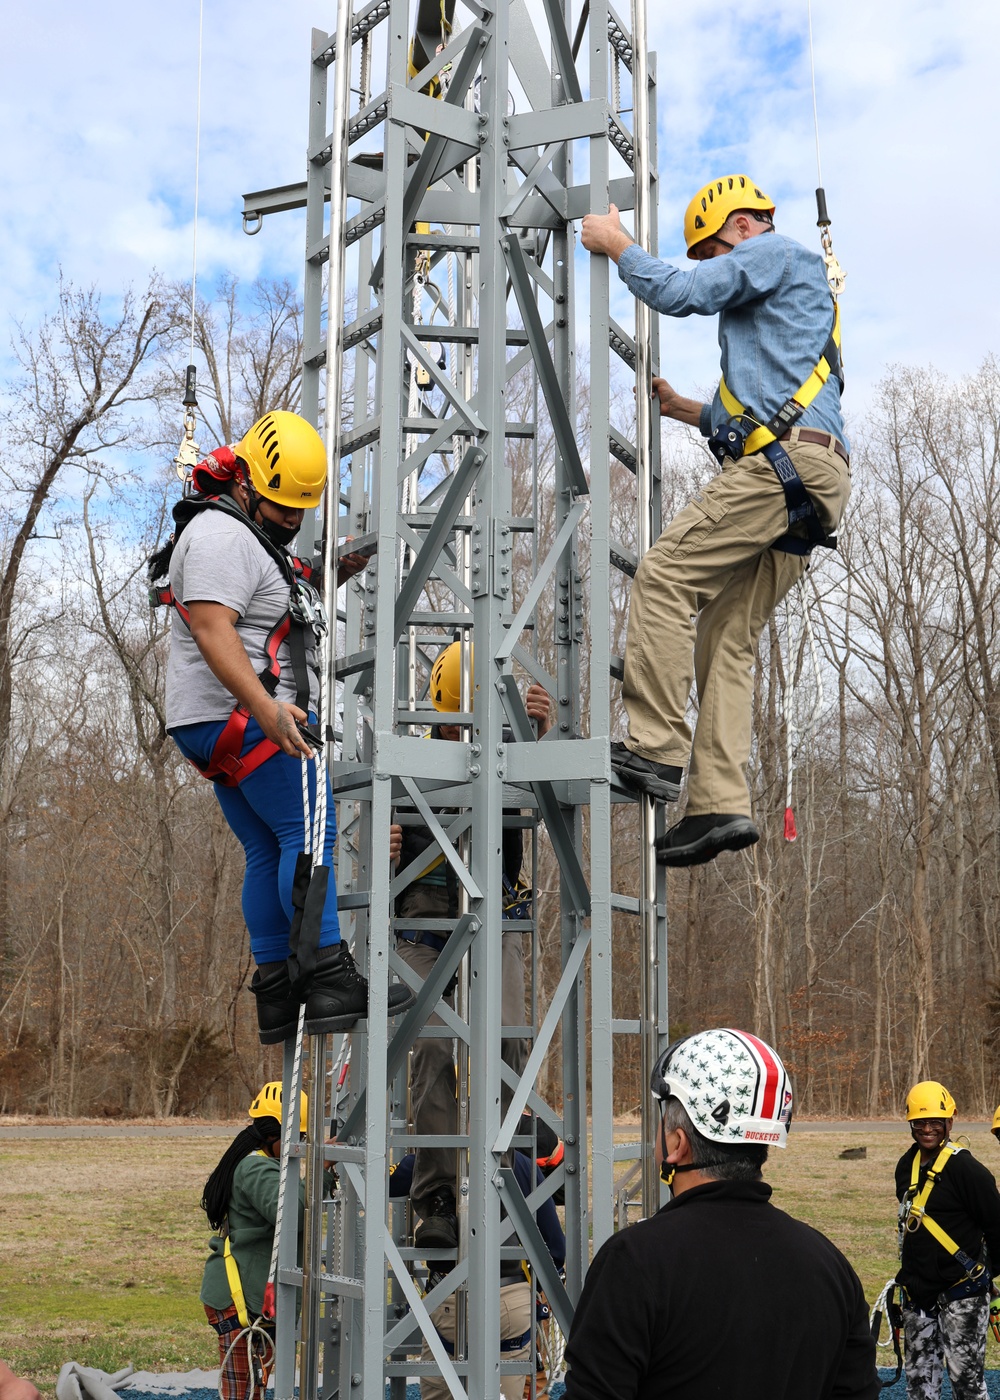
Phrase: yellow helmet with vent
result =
(286, 459)
(929, 1099)
(267, 1104)
(446, 679)
(712, 206)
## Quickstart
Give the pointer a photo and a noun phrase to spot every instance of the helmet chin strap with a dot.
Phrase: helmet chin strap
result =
(668, 1170)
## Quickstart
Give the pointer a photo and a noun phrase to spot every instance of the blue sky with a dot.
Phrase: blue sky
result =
(97, 163)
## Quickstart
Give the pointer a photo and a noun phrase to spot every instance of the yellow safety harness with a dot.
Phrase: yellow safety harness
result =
(745, 433)
(792, 409)
(233, 1271)
(915, 1204)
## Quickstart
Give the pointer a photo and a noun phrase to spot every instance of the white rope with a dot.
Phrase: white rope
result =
(879, 1305)
(197, 174)
(264, 1358)
(812, 72)
(290, 1111)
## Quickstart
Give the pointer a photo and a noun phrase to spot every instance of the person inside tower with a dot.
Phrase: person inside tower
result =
(242, 687)
(705, 590)
(434, 895)
(518, 1301)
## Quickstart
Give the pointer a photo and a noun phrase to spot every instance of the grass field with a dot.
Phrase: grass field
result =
(104, 1241)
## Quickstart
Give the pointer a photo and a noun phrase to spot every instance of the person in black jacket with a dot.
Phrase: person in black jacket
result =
(949, 1234)
(720, 1293)
(433, 895)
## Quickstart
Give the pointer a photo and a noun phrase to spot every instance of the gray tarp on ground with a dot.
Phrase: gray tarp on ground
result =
(78, 1382)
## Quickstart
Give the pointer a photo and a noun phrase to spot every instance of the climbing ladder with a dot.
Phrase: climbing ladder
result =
(441, 333)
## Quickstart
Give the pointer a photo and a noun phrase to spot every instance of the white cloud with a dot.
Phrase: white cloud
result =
(99, 105)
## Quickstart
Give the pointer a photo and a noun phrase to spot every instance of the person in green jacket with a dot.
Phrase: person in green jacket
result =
(241, 1202)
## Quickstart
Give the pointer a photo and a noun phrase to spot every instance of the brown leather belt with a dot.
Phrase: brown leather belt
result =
(821, 439)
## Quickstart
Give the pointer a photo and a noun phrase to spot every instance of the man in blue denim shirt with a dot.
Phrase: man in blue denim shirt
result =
(705, 590)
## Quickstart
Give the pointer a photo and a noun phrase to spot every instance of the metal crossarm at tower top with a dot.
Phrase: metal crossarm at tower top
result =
(472, 137)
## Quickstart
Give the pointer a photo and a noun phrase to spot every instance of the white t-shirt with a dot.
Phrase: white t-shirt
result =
(218, 560)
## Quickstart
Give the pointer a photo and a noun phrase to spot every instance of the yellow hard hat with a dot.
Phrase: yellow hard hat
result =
(446, 678)
(712, 206)
(996, 1121)
(286, 459)
(267, 1104)
(929, 1099)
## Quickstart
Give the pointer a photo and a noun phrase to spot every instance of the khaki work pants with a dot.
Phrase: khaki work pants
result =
(515, 1319)
(702, 596)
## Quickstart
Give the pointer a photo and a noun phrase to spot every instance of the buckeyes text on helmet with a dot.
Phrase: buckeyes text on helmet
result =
(714, 204)
(446, 679)
(267, 1104)
(285, 458)
(929, 1099)
(733, 1087)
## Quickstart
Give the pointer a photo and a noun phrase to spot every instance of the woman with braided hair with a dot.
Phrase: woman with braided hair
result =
(241, 1202)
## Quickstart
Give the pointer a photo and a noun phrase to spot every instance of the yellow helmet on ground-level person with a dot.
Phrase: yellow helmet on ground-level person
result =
(267, 1104)
(446, 678)
(995, 1129)
(286, 459)
(713, 204)
(929, 1099)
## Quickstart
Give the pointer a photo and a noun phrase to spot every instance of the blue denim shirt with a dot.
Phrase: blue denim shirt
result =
(775, 315)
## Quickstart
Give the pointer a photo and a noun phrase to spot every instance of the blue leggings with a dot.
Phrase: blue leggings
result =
(265, 813)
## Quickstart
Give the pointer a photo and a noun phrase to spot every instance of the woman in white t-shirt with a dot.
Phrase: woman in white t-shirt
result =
(235, 638)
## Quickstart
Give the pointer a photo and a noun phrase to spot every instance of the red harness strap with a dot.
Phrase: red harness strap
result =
(225, 766)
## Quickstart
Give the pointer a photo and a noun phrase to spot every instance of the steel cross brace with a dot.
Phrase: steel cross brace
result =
(539, 582)
(416, 867)
(444, 521)
(417, 1305)
(540, 1048)
(426, 171)
(559, 832)
(437, 831)
(562, 428)
(427, 999)
(534, 1246)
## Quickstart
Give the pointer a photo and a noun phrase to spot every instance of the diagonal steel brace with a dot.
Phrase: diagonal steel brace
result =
(562, 428)
(430, 994)
(558, 829)
(444, 522)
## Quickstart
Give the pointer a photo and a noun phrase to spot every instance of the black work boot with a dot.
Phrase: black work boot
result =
(338, 994)
(277, 1006)
(439, 1227)
(661, 781)
(697, 839)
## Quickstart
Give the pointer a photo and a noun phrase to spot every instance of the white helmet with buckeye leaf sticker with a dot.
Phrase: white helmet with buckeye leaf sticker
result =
(733, 1086)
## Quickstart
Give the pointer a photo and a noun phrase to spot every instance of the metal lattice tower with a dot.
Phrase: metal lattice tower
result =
(450, 148)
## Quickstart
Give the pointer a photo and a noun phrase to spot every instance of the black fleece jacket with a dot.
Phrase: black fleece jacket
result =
(721, 1294)
(965, 1203)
